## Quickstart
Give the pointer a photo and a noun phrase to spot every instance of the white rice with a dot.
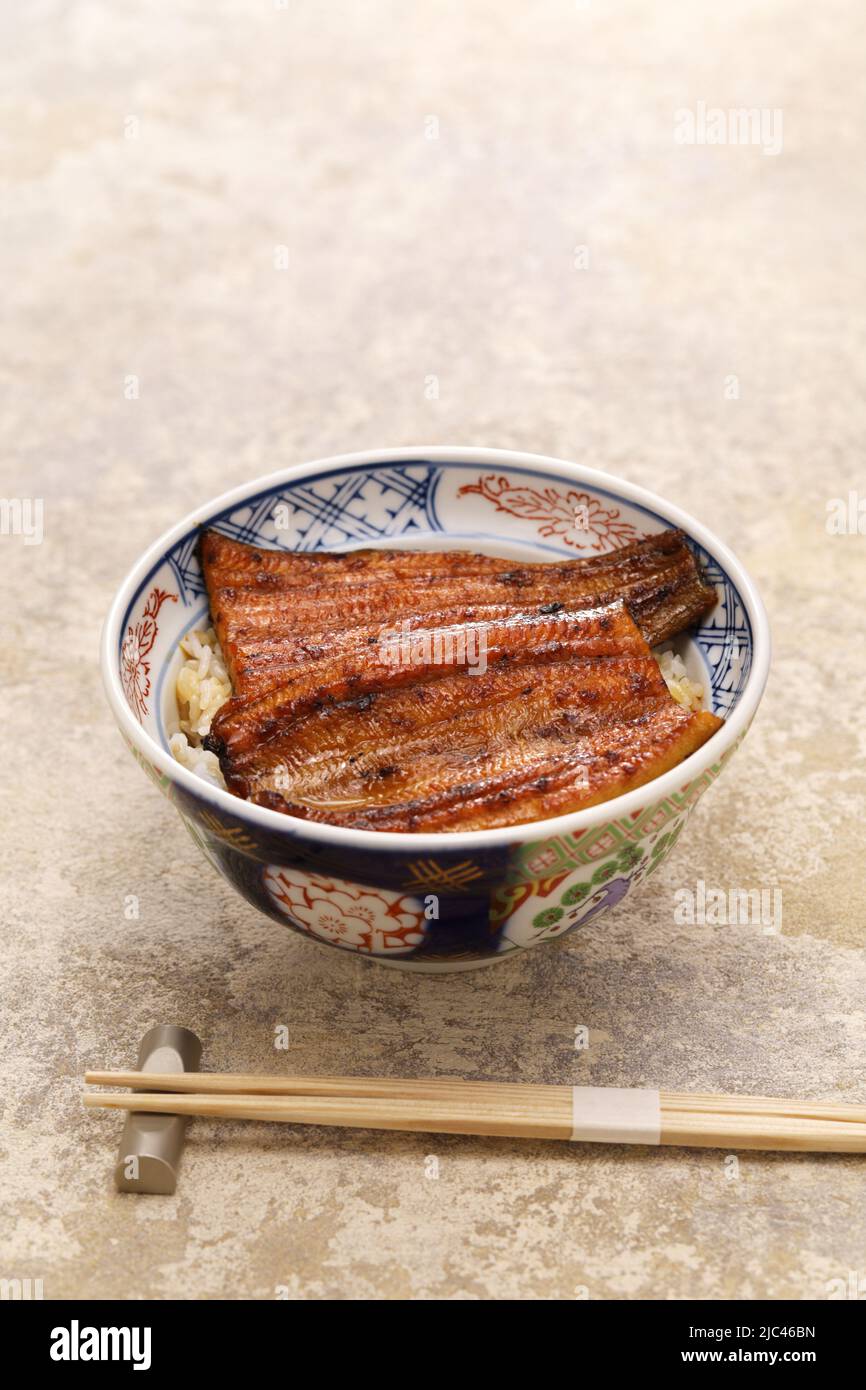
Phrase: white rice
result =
(202, 686)
(684, 690)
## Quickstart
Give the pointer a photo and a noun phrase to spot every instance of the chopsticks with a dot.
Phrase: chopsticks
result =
(511, 1110)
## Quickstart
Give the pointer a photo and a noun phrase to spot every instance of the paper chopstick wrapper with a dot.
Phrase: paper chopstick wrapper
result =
(615, 1115)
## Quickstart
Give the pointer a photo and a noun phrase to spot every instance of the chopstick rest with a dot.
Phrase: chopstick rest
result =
(615, 1115)
(151, 1145)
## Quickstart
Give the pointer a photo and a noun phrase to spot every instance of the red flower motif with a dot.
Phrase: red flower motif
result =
(576, 517)
(138, 642)
(351, 915)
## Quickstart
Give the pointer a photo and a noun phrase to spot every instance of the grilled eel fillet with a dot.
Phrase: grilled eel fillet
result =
(274, 609)
(572, 710)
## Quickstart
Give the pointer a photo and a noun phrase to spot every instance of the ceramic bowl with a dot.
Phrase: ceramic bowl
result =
(432, 902)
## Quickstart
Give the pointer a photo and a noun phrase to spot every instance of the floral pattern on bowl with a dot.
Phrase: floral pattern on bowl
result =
(358, 918)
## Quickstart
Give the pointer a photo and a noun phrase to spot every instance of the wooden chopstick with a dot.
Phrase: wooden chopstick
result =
(452, 1106)
(239, 1083)
(360, 1112)
(243, 1083)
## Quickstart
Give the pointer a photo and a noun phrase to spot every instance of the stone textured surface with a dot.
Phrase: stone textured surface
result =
(411, 257)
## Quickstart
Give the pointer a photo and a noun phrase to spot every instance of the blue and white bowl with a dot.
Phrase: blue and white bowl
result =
(432, 902)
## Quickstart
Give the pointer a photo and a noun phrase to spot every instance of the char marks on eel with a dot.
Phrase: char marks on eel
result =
(567, 709)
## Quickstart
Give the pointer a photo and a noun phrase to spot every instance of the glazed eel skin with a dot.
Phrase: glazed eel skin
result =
(274, 609)
(571, 710)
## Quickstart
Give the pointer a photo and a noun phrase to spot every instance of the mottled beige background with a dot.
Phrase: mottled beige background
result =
(410, 257)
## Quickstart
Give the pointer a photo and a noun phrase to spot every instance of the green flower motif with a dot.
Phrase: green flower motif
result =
(547, 917)
(575, 894)
(604, 872)
(662, 848)
(659, 859)
(631, 855)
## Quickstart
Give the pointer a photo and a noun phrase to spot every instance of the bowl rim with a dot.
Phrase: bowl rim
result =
(437, 842)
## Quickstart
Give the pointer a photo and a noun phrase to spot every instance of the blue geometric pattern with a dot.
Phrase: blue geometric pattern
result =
(184, 563)
(322, 513)
(724, 638)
